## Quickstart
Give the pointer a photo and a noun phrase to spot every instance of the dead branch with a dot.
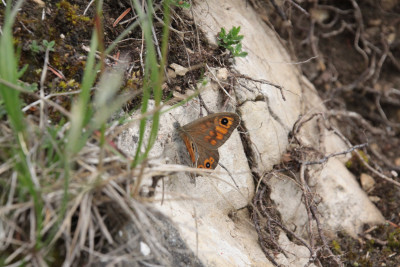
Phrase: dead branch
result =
(325, 159)
(280, 88)
(361, 158)
(257, 223)
(357, 117)
(311, 208)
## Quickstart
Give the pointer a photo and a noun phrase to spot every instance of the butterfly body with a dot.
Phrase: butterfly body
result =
(204, 136)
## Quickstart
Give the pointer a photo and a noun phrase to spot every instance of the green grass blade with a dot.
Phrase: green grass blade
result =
(153, 77)
(12, 103)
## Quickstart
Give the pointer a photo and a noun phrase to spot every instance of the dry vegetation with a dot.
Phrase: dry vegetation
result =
(67, 192)
(63, 183)
(350, 52)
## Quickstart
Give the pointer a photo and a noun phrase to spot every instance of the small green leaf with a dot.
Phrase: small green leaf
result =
(52, 43)
(35, 47)
(49, 45)
(22, 71)
(235, 31)
(231, 41)
(31, 87)
(223, 32)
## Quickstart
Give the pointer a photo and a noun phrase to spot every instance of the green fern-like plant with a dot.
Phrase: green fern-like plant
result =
(232, 41)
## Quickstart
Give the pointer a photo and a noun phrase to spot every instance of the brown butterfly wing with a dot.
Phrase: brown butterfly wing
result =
(212, 131)
(190, 145)
(207, 158)
(200, 156)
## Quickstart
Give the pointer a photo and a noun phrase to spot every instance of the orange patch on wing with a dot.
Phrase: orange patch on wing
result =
(210, 140)
(228, 124)
(209, 161)
(203, 127)
(221, 130)
(190, 149)
(219, 136)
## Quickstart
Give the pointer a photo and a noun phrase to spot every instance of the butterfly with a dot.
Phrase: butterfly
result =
(204, 136)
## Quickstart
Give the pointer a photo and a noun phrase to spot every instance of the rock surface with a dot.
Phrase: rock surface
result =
(201, 210)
